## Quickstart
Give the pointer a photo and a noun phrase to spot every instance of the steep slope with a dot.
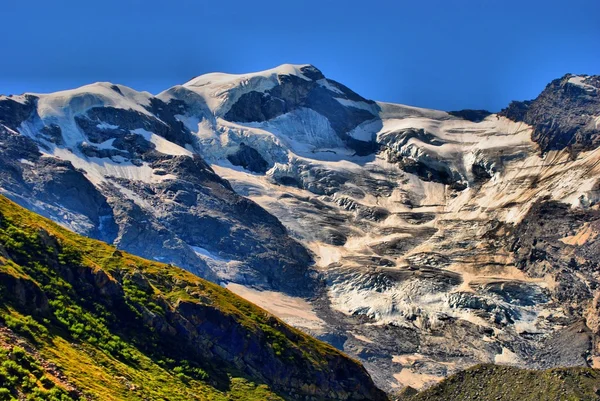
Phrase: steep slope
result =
(116, 165)
(493, 383)
(440, 240)
(115, 326)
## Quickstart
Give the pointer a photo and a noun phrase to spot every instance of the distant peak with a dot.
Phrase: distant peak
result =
(306, 71)
(586, 82)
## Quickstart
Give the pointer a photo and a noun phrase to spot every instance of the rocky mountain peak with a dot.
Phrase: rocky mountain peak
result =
(565, 115)
(589, 83)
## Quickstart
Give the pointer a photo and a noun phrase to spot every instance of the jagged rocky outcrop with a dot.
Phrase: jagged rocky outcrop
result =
(248, 158)
(472, 115)
(565, 114)
(555, 239)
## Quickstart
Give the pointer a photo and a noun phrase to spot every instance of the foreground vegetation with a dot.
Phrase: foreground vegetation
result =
(105, 325)
(505, 383)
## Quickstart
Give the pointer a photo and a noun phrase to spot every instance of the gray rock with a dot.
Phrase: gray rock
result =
(248, 158)
(563, 115)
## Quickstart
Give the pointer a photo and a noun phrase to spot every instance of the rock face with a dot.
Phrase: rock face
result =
(564, 115)
(421, 241)
(248, 158)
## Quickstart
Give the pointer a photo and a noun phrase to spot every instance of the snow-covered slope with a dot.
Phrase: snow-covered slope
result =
(221, 91)
(115, 164)
(438, 242)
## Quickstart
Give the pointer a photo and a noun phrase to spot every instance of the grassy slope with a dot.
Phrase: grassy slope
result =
(106, 353)
(504, 383)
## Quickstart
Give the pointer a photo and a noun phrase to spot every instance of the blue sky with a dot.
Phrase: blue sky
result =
(430, 53)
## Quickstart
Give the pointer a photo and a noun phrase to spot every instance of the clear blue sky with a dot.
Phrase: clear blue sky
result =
(432, 53)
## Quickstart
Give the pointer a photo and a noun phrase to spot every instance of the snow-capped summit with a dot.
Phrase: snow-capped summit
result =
(303, 109)
(221, 90)
(304, 71)
(62, 108)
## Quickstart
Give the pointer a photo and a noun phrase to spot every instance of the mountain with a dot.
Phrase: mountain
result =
(418, 241)
(116, 165)
(83, 320)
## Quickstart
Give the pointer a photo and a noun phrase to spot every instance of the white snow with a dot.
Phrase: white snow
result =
(221, 90)
(357, 105)
(77, 101)
(104, 125)
(27, 162)
(108, 144)
(328, 85)
(99, 170)
(206, 254)
(578, 80)
(366, 131)
(162, 145)
(302, 130)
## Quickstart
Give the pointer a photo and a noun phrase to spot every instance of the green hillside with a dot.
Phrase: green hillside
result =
(505, 383)
(82, 320)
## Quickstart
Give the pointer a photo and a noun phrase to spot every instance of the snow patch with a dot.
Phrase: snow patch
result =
(357, 105)
(507, 357)
(99, 170)
(162, 145)
(578, 81)
(104, 125)
(27, 162)
(329, 86)
(207, 254)
(108, 144)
